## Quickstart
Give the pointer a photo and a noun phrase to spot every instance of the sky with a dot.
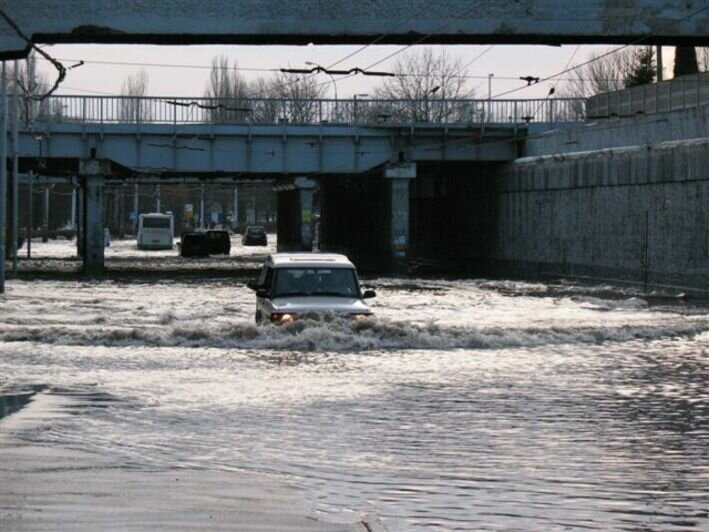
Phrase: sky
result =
(190, 65)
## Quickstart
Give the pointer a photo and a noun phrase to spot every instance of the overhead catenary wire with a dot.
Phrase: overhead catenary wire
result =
(417, 41)
(61, 70)
(405, 75)
(611, 52)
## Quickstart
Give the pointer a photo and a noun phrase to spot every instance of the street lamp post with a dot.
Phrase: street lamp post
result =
(334, 83)
(360, 96)
(489, 96)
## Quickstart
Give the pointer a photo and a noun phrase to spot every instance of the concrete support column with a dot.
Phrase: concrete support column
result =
(399, 177)
(80, 229)
(295, 213)
(93, 172)
(93, 226)
(306, 191)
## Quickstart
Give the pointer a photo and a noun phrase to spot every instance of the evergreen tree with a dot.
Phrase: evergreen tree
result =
(685, 61)
(642, 70)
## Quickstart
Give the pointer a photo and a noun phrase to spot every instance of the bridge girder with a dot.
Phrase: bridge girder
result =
(248, 151)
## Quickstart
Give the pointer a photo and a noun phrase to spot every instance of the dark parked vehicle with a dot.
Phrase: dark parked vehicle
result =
(254, 235)
(195, 245)
(219, 242)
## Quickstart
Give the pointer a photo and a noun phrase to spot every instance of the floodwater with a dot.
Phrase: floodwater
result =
(465, 405)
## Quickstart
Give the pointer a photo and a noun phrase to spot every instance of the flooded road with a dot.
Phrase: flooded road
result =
(465, 405)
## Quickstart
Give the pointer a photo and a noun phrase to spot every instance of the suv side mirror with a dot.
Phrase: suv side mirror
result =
(369, 294)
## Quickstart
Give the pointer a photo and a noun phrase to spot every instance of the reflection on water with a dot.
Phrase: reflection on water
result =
(466, 405)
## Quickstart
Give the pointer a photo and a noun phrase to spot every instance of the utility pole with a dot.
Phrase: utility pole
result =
(45, 215)
(32, 87)
(30, 213)
(135, 209)
(73, 208)
(201, 207)
(3, 175)
(235, 211)
(660, 67)
(15, 172)
(157, 201)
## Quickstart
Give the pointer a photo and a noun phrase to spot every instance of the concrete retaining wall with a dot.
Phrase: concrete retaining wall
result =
(689, 123)
(638, 214)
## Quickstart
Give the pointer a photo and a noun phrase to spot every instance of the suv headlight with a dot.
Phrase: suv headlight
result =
(283, 317)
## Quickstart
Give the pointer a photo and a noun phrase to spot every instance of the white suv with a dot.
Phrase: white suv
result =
(304, 285)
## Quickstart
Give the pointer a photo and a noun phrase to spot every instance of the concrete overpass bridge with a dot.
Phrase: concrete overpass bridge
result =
(343, 22)
(299, 145)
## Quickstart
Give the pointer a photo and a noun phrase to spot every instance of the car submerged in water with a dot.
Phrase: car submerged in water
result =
(294, 286)
(254, 235)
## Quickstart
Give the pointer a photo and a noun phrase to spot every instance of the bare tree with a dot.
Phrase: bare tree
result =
(31, 86)
(133, 107)
(228, 92)
(601, 74)
(284, 97)
(424, 84)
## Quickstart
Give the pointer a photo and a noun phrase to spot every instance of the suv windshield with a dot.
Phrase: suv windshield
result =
(339, 282)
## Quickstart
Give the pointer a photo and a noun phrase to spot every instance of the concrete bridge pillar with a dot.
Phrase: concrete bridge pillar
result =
(92, 172)
(93, 226)
(399, 178)
(295, 215)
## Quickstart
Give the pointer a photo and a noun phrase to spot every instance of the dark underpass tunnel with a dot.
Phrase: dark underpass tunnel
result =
(453, 217)
(451, 212)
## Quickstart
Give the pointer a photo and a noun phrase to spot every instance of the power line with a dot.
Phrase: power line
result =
(417, 41)
(616, 50)
(381, 37)
(480, 55)
(169, 65)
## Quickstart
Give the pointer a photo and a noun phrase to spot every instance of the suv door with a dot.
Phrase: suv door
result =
(264, 283)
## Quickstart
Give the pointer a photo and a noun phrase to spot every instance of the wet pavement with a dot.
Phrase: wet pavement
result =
(466, 404)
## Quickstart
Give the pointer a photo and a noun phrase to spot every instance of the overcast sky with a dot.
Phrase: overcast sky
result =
(181, 80)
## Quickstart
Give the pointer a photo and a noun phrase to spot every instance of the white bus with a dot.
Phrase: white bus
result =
(155, 231)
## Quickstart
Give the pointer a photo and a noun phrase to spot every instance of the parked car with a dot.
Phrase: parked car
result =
(292, 286)
(219, 242)
(194, 244)
(254, 235)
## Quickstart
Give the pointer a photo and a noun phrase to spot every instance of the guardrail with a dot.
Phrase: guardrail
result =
(672, 95)
(354, 112)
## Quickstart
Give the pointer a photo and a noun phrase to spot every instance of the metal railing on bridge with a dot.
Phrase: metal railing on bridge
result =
(354, 112)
